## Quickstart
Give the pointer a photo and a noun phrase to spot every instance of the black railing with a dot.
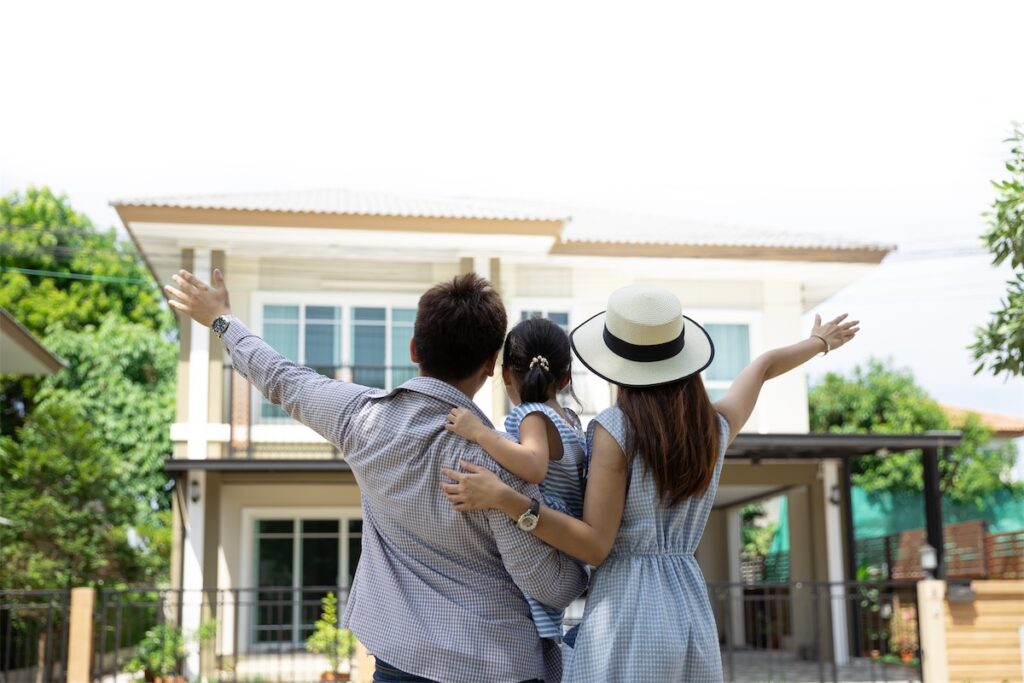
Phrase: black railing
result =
(768, 632)
(33, 635)
(245, 410)
(784, 631)
(244, 634)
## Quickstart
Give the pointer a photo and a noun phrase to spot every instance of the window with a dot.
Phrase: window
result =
(732, 354)
(560, 318)
(366, 345)
(298, 561)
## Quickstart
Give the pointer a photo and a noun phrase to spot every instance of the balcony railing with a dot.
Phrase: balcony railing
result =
(259, 429)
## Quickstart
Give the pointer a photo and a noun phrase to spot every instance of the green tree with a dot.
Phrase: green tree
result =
(104, 421)
(123, 374)
(757, 536)
(71, 524)
(57, 269)
(90, 272)
(1000, 344)
(879, 399)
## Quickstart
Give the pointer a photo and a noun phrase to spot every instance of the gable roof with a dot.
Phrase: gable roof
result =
(579, 232)
(356, 203)
(22, 353)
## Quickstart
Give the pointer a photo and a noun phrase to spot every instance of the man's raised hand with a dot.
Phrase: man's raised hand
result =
(198, 299)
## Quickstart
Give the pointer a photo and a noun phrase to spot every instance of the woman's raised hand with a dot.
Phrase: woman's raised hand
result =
(835, 332)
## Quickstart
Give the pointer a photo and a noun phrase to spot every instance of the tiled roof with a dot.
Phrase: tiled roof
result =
(582, 225)
(358, 203)
(1002, 425)
(626, 228)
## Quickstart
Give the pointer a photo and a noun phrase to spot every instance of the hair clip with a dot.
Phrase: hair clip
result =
(541, 361)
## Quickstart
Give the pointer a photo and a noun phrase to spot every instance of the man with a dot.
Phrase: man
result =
(438, 594)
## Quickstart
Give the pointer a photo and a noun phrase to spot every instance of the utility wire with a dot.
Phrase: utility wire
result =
(78, 276)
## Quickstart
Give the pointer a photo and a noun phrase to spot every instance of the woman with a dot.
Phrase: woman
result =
(655, 460)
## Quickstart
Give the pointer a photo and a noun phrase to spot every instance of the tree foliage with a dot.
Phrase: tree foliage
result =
(83, 449)
(879, 399)
(1000, 344)
(70, 522)
(41, 232)
(123, 374)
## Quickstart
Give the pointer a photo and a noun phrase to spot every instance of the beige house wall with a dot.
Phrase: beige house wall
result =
(267, 490)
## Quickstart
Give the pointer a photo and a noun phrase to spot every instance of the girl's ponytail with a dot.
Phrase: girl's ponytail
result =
(537, 352)
(537, 381)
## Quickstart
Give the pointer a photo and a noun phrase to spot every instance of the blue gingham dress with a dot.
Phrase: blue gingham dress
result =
(648, 617)
(562, 489)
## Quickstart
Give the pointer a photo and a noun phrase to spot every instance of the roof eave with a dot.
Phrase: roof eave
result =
(28, 341)
(867, 255)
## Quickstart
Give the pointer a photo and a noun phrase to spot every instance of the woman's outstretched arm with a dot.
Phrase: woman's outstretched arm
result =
(737, 405)
(589, 539)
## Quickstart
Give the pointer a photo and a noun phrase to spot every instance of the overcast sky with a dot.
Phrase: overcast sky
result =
(877, 120)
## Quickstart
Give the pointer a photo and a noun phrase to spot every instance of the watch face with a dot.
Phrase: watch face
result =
(220, 325)
(528, 522)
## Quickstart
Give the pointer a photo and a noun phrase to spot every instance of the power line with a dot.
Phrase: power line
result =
(79, 276)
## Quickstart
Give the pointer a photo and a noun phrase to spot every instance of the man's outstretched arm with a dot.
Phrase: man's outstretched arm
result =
(316, 401)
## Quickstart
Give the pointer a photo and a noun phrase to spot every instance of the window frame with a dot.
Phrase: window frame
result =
(344, 300)
(247, 598)
(753, 321)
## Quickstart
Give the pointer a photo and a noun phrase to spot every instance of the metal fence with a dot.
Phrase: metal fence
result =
(768, 632)
(784, 631)
(256, 634)
(33, 635)
(249, 413)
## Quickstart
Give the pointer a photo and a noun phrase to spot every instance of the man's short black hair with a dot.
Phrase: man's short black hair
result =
(459, 325)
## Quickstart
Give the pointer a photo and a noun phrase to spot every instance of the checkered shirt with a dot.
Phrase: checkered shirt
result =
(437, 593)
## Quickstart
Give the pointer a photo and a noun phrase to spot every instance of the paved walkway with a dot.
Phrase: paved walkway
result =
(776, 667)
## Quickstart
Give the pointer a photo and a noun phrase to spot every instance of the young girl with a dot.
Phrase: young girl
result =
(655, 461)
(548, 446)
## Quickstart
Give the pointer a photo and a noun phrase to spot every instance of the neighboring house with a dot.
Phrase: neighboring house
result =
(1003, 427)
(332, 278)
(21, 353)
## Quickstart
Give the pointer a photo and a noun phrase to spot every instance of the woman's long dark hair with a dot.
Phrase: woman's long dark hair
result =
(532, 338)
(675, 433)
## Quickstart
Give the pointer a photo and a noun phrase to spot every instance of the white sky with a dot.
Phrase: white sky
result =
(879, 120)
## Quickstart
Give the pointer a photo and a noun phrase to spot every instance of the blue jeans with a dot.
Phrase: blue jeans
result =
(385, 673)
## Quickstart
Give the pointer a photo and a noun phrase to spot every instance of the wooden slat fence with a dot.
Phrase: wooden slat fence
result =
(970, 553)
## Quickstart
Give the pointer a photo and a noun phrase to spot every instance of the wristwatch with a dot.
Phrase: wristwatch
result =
(528, 520)
(220, 325)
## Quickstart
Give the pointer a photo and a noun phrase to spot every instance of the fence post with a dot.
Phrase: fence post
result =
(83, 601)
(931, 620)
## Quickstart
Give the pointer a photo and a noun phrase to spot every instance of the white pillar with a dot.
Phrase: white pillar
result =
(192, 569)
(195, 480)
(834, 560)
(734, 545)
(199, 371)
(485, 397)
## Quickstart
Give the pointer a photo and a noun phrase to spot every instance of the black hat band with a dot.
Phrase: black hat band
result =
(644, 353)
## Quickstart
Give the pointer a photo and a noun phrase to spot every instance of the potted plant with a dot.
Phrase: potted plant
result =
(158, 653)
(337, 644)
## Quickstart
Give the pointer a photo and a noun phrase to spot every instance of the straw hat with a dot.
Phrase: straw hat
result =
(642, 340)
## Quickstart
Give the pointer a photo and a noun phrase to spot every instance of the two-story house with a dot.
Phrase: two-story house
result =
(331, 279)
